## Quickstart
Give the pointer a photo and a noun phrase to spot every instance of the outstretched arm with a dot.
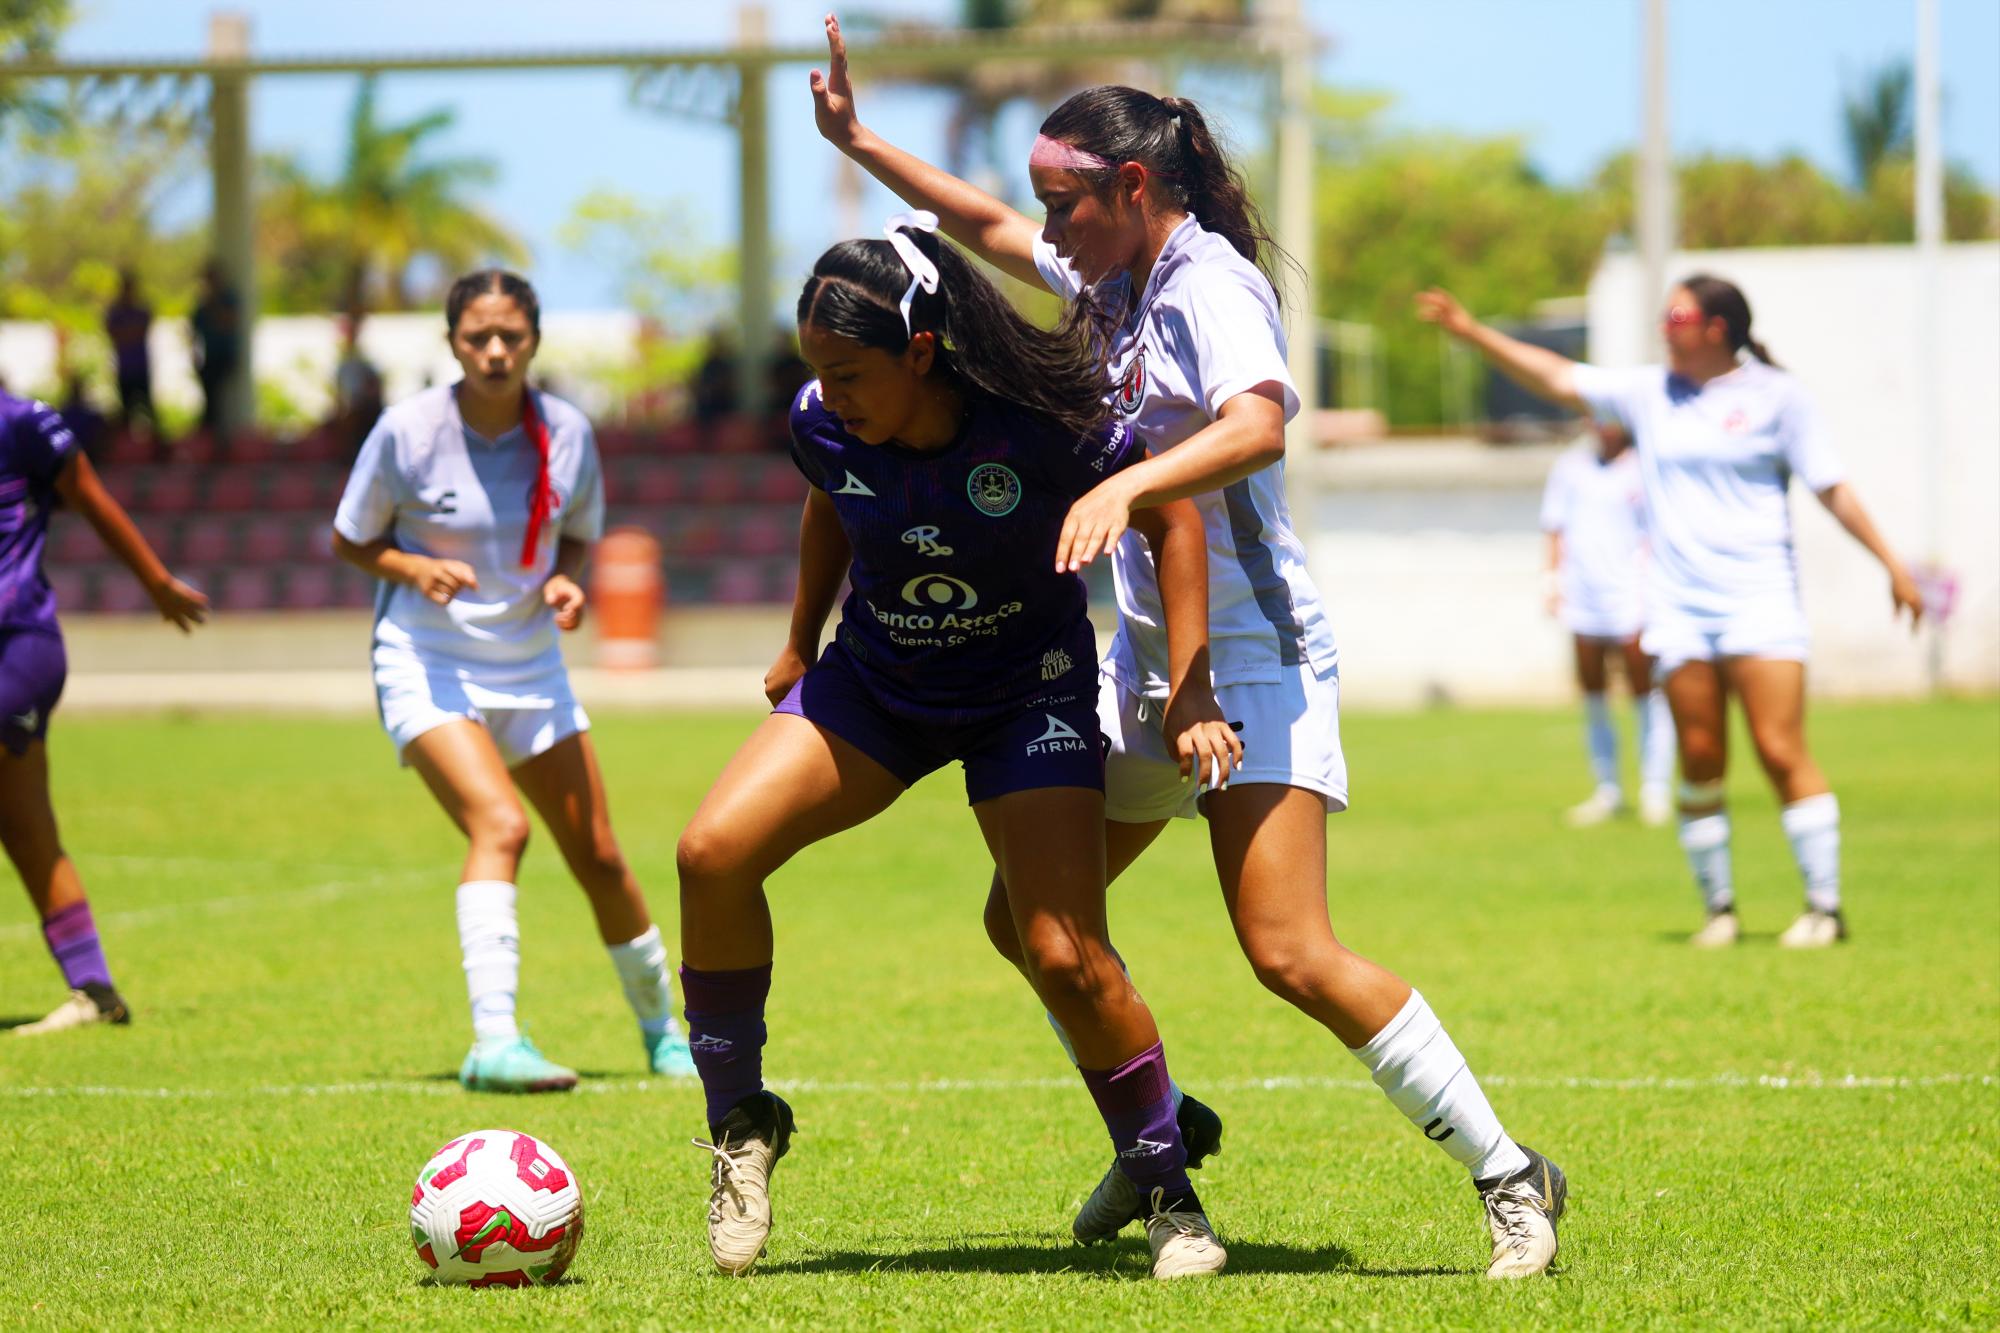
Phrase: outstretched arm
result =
(80, 489)
(969, 215)
(1842, 502)
(1541, 372)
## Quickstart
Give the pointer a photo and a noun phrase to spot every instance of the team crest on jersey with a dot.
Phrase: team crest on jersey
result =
(993, 489)
(1131, 388)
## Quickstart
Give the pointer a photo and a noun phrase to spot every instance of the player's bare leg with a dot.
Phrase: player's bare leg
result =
(1773, 693)
(1699, 697)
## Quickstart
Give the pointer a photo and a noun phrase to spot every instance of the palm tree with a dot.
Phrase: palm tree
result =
(1877, 120)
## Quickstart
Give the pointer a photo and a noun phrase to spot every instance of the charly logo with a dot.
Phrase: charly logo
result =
(925, 538)
(993, 489)
(940, 590)
(1131, 386)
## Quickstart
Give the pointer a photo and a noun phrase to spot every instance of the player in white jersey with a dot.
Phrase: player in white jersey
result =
(1721, 431)
(1153, 240)
(1593, 516)
(476, 505)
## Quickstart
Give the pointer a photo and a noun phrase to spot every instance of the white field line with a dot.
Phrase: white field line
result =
(375, 882)
(1308, 1083)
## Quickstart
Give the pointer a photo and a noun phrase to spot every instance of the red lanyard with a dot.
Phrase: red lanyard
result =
(541, 501)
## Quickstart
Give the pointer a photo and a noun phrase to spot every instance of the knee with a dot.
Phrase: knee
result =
(603, 863)
(1000, 924)
(1295, 969)
(1779, 751)
(500, 826)
(1701, 754)
(708, 853)
(1066, 975)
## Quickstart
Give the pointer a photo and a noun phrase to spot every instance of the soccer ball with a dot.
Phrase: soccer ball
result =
(495, 1208)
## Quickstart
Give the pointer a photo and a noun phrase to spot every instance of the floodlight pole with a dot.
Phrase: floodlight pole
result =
(1654, 192)
(229, 167)
(753, 197)
(1294, 43)
(1930, 246)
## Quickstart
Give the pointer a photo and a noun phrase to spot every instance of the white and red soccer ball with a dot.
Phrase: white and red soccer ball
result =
(495, 1208)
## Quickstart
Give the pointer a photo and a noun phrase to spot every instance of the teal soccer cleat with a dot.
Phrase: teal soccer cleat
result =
(512, 1064)
(668, 1054)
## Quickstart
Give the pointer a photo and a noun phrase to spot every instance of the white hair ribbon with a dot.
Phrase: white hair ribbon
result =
(923, 273)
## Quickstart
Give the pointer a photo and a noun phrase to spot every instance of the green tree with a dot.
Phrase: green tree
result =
(1877, 121)
(28, 31)
(359, 240)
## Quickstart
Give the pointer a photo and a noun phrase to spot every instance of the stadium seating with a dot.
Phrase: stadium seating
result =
(252, 528)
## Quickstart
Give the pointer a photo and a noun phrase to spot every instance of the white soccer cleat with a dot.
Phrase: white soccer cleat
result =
(1522, 1211)
(1656, 807)
(1602, 806)
(1183, 1243)
(748, 1143)
(1115, 1203)
(98, 1004)
(1814, 930)
(1721, 931)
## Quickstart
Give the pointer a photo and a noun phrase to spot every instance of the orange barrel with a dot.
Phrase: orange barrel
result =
(627, 595)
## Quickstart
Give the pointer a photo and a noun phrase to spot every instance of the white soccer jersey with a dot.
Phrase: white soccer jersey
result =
(1598, 508)
(1716, 459)
(435, 487)
(1206, 329)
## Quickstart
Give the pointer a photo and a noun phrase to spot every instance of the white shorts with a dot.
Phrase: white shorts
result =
(525, 718)
(1774, 628)
(1617, 623)
(1291, 737)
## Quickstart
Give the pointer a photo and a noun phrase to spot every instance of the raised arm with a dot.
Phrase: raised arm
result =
(81, 490)
(1541, 372)
(1846, 507)
(824, 555)
(969, 215)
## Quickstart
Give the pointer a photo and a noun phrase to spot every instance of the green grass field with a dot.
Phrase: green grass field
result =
(1756, 1139)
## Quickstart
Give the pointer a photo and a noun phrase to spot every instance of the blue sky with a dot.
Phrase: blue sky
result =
(1752, 76)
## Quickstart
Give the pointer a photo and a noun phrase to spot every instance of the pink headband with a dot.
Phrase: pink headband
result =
(1055, 153)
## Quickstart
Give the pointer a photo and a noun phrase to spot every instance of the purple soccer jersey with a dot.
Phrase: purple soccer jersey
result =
(35, 445)
(956, 611)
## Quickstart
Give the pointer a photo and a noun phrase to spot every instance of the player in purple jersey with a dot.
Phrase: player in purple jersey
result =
(1151, 236)
(945, 440)
(41, 467)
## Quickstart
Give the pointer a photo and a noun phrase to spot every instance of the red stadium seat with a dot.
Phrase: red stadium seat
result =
(116, 592)
(311, 587)
(778, 482)
(169, 490)
(739, 582)
(204, 542)
(72, 540)
(232, 490)
(682, 437)
(72, 585)
(270, 539)
(246, 588)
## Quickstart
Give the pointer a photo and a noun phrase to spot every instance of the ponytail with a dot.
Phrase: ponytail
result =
(1170, 137)
(982, 341)
(1724, 300)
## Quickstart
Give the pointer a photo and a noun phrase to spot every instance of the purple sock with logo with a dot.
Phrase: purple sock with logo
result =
(72, 940)
(1137, 1102)
(725, 1018)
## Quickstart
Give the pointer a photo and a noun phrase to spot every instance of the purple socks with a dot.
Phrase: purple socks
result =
(725, 1018)
(72, 939)
(1136, 1101)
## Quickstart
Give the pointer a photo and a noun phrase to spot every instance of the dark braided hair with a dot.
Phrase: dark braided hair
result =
(1724, 300)
(492, 282)
(982, 340)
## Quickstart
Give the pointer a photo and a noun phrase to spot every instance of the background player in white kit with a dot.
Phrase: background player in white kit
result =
(475, 504)
(1721, 431)
(1593, 514)
(1152, 238)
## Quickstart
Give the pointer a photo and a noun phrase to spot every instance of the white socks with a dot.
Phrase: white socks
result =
(1656, 742)
(489, 937)
(1705, 839)
(1414, 1061)
(1813, 825)
(1601, 738)
(642, 971)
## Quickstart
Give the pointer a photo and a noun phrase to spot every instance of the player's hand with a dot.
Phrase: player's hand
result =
(1094, 525)
(1438, 306)
(833, 92)
(180, 606)
(1552, 598)
(1208, 747)
(1905, 595)
(562, 593)
(441, 580)
(784, 673)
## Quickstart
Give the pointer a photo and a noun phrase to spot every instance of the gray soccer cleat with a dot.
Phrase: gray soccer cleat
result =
(747, 1145)
(1522, 1211)
(1182, 1241)
(92, 1004)
(1115, 1203)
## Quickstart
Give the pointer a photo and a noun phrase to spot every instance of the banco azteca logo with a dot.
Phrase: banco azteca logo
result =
(940, 590)
(993, 489)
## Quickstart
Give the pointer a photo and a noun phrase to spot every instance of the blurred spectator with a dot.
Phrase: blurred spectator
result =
(357, 390)
(127, 322)
(715, 380)
(217, 323)
(84, 421)
(788, 373)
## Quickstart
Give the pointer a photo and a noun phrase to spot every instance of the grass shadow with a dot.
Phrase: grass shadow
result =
(1066, 1257)
(7, 1024)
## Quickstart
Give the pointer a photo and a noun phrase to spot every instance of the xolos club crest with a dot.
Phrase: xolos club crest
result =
(1132, 387)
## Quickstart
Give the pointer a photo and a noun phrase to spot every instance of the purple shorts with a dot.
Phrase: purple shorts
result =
(33, 667)
(1051, 741)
